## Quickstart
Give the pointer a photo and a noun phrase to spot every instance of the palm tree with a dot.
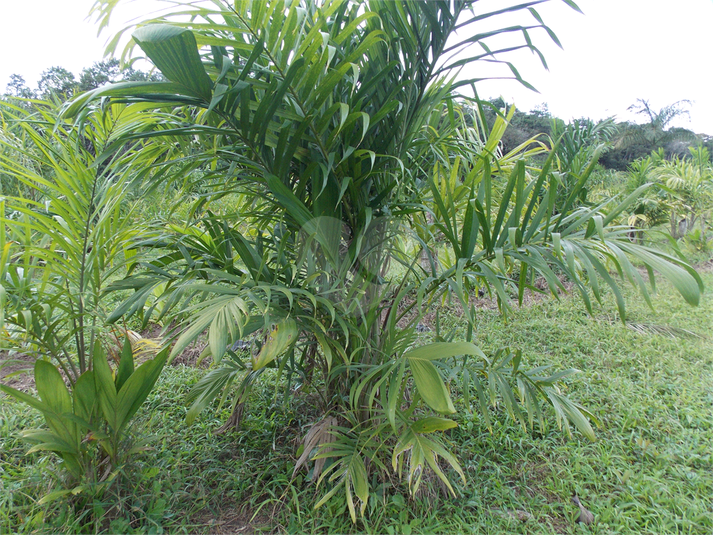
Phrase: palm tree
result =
(659, 121)
(641, 139)
(690, 183)
(336, 127)
(65, 226)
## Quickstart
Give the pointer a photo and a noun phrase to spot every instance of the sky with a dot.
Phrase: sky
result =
(617, 52)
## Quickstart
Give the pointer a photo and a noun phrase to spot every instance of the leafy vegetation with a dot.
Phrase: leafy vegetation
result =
(649, 471)
(335, 190)
(95, 415)
(61, 242)
(682, 195)
(656, 132)
(68, 235)
(343, 173)
(628, 141)
(59, 84)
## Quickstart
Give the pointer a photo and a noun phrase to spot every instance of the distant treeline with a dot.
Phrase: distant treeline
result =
(628, 141)
(59, 83)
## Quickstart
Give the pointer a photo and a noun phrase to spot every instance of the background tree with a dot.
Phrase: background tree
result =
(109, 71)
(17, 88)
(57, 83)
(639, 140)
(523, 126)
(99, 74)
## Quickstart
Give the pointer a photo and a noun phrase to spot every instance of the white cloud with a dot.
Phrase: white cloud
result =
(620, 51)
(38, 34)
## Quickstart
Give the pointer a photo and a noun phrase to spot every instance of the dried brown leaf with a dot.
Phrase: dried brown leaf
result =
(318, 435)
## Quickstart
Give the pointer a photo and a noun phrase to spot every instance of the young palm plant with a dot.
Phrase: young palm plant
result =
(689, 182)
(72, 234)
(60, 246)
(334, 124)
(682, 190)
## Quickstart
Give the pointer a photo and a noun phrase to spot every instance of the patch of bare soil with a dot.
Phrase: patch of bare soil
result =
(153, 330)
(705, 267)
(534, 484)
(232, 522)
(189, 356)
(17, 371)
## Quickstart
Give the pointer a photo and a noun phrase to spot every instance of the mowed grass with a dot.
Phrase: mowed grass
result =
(650, 470)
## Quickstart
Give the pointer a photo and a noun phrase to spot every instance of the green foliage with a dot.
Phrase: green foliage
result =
(682, 193)
(648, 472)
(336, 128)
(658, 121)
(69, 230)
(88, 427)
(62, 238)
(579, 140)
(110, 71)
(63, 242)
(17, 88)
(651, 210)
(690, 184)
(57, 84)
(523, 126)
(634, 141)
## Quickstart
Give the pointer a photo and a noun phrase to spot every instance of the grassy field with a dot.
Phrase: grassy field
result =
(650, 471)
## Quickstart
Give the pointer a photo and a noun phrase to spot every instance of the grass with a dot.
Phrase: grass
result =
(650, 470)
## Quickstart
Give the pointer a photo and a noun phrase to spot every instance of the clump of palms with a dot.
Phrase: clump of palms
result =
(336, 128)
(681, 192)
(652, 208)
(690, 184)
(580, 143)
(66, 232)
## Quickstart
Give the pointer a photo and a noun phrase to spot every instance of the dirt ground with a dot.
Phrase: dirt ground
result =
(16, 371)
(231, 523)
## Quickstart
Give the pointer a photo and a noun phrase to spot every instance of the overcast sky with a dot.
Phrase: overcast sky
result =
(618, 51)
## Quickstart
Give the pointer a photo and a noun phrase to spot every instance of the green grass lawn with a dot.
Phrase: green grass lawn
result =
(650, 470)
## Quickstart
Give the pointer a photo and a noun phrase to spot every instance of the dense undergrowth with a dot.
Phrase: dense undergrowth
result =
(650, 471)
(329, 188)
